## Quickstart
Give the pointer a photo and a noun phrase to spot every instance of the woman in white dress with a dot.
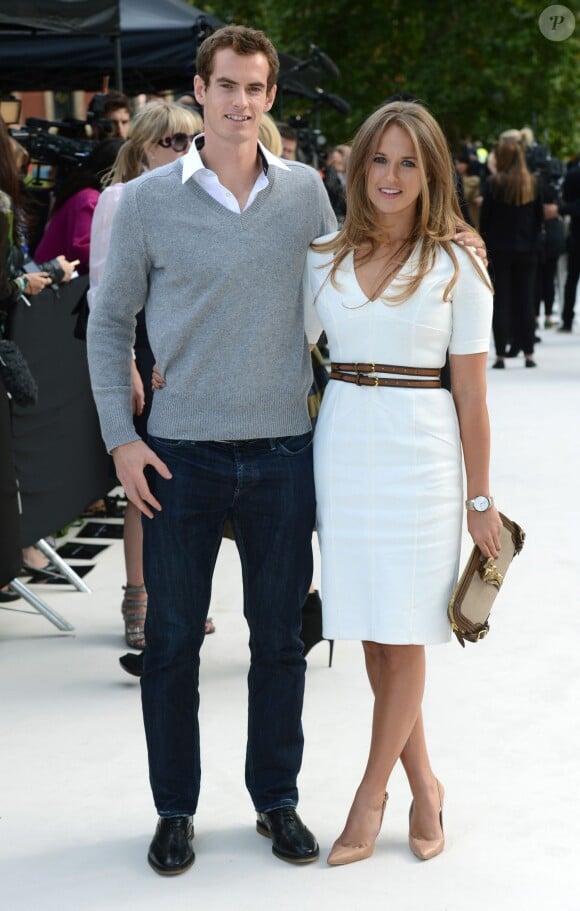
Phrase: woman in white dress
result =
(393, 293)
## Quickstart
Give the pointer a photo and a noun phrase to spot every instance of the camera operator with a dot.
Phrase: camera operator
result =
(109, 115)
(289, 138)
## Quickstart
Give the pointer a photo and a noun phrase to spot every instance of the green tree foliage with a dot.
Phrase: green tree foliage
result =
(481, 67)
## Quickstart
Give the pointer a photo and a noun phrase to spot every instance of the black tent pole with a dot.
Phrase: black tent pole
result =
(118, 62)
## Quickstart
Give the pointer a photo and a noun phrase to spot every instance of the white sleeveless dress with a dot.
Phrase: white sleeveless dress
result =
(387, 461)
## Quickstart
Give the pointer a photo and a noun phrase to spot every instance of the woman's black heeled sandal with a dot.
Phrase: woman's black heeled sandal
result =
(311, 632)
(134, 611)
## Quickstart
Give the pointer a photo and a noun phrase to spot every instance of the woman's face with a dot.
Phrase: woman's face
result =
(394, 176)
(161, 152)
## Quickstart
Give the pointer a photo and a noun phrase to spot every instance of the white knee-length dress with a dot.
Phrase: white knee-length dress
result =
(387, 461)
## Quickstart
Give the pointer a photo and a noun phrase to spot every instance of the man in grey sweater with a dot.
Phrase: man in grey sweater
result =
(213, 248)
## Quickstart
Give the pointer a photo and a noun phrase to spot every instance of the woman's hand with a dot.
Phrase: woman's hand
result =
(157, 381)
(36, 282)
(67, 267)
(485, 529)
(137, 390)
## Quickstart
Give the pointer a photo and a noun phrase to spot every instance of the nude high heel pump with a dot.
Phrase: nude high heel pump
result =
(350, 854)
(425, 848)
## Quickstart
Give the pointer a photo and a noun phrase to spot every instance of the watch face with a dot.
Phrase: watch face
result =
(481, 504)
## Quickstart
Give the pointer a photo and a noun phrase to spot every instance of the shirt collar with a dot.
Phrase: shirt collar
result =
(192, 160)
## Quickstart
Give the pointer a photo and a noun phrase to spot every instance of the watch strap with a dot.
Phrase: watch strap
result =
(470, 504)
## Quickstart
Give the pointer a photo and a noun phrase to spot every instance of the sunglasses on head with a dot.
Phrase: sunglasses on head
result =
(178, 142)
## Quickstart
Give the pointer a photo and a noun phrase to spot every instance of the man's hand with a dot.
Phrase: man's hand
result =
(467, 237)
(130, 461)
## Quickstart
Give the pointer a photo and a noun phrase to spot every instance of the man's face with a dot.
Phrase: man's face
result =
(120, 120)
(235, 97)
(289, 147)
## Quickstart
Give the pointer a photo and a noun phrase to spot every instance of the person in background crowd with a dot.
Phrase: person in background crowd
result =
(289, 142)
(69, 225)
(552, 246)
(391, 288)
(18, 280)
(511, 221)
(111, 115)
(471, 186)
(338, 158)
(571, 206)
(189, 101)
(269, 135)
(333, 173)
(160, 133)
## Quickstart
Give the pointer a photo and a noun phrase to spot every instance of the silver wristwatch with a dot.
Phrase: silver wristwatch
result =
(479, 504)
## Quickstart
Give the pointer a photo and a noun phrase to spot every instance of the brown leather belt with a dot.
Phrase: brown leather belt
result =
(359, 375)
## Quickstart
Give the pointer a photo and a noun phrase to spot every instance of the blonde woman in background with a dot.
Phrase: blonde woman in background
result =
(269, 135)
(159, 134)
(511, 222)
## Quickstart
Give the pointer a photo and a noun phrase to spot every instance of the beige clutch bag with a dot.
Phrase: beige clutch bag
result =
(481, 580)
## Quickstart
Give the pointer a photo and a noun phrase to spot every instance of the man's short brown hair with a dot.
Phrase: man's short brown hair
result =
(243, 41)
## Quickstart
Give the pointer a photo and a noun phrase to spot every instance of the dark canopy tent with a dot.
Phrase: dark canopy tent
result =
(43, 46)
(63, 45)
(99, 17)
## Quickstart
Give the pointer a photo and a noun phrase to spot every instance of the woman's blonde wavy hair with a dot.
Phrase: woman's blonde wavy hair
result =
(438, 214)
(153, 122)
(512, 182)
(269, 135)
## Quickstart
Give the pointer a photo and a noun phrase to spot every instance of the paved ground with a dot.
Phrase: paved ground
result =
(502, 717)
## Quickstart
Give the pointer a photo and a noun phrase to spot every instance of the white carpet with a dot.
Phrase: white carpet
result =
(502, 721)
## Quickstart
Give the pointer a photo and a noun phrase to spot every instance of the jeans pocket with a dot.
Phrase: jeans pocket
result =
(165, 443)
(294, 445)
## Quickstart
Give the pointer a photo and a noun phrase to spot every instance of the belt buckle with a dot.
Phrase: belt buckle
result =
(373, 374)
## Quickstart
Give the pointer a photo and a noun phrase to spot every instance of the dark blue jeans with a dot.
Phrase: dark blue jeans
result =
(266, 489)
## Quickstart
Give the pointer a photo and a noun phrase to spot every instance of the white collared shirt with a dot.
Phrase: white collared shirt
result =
(208, 180)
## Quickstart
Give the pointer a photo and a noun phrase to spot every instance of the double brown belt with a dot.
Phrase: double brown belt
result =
(359, 374)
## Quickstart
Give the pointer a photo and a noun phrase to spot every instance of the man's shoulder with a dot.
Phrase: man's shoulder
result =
(298, 171)
(156, 181)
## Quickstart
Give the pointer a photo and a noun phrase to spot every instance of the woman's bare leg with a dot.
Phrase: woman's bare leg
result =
(415, 760)
(133, 546)
(399, 679)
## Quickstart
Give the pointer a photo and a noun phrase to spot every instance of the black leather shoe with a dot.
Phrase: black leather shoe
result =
(291, 840)
(6, 596)
(132, 663)
(171, 851)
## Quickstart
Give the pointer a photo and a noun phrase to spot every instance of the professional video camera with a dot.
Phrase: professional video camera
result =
(311, 140)
(51, 148)
(69, 146)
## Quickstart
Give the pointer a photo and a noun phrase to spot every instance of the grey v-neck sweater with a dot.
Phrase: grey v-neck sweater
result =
(222, 298)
